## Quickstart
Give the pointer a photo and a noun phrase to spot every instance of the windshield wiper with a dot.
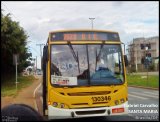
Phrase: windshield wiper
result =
(74, 54)
(99, 54)
(89, 79)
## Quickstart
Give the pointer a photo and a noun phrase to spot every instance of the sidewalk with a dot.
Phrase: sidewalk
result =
(25, 96)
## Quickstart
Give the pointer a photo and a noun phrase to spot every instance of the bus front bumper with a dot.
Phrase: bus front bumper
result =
(59, 113)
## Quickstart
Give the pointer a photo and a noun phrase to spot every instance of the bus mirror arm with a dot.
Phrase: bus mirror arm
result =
(78, 62)
(99, 54)
(96, 59)
(74, 54)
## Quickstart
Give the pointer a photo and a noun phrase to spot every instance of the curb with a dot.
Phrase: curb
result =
(143, 87)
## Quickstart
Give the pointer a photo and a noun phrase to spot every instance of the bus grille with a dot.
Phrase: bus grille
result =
(80, 104)
(86, 105)
(100, 103)
(89, 93)
(90, 112)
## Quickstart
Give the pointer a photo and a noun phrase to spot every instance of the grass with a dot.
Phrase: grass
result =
(139, 80)
(8, 87)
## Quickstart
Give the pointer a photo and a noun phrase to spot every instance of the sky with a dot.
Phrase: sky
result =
(129, 19)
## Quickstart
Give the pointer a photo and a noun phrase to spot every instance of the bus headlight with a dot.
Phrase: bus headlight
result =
(55, 104)
(122, 100)
(62, 105)
(116, 102)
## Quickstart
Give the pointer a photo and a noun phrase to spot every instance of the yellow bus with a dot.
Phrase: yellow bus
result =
(84, 74)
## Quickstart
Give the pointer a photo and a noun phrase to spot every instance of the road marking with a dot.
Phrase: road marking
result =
(130, 98)
(136, 96)
(145, 95)
(152, 93)
(35, 105)
(129, 114)
(41, 99)
(34, 93)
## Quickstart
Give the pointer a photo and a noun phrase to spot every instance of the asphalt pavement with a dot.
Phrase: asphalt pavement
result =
(143, 104)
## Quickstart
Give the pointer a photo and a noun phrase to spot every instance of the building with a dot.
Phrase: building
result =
(140, 49)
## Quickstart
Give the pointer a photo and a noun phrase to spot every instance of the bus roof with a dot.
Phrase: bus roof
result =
(79, 30)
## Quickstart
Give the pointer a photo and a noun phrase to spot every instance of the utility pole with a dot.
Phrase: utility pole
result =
(15, 62)
(16, 72)
(40, 48)
(36, 63)
(136, 52)
(40, 52)
(92, 21)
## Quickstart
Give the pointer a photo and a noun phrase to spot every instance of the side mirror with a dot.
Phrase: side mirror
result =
(45, 54)
(126, 60)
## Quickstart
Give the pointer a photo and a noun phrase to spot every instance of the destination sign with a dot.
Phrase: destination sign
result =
(82, 36)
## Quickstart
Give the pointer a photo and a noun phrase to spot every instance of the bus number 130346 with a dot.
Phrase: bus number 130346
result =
(101, 98)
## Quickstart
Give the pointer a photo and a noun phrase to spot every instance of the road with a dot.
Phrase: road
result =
(140, 101)
(143, 100)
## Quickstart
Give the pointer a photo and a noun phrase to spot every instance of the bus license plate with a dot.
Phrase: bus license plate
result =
(101, 99)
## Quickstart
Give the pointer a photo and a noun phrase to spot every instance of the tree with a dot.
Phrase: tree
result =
(13, 40)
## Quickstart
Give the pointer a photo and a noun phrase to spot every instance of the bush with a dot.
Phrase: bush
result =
(152, 67)
(133, 68)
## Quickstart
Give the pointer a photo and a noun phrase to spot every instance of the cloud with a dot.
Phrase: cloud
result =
(130, 19)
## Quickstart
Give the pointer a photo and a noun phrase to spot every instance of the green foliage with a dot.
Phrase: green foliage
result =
(13, 40)
(116, 65)
(138, 80)
(152, 67)
(9, 88)
(133, 68)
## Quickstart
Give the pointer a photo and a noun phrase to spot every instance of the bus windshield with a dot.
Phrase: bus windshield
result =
(83, 65)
